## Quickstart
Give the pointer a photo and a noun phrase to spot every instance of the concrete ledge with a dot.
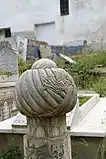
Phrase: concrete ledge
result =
(7, 84)
(86, 107)
(13, 131)
(88, 134)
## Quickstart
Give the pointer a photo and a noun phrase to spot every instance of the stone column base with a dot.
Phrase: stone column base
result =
(55, 148)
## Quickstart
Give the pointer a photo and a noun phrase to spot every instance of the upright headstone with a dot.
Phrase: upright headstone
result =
(45, 52)
(8, 62)
(85, 48)
(22, 47)
(45, 94)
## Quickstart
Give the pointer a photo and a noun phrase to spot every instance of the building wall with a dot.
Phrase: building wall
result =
(46, 32)
(45, 27)
(2, 36)
(86, 20)
(22, 15)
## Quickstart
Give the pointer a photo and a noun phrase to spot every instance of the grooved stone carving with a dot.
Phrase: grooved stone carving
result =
(45, 94)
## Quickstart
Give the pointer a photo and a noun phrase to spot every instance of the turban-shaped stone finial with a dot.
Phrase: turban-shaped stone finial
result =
(45, 90)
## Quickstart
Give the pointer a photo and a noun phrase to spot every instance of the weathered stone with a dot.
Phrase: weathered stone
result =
(8, 58)
(45, 94)
(45, 51)
(22, 47)
(44, 63)
(8, 61)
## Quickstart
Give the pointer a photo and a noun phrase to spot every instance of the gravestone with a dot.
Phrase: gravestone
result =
(45, 52)
(22, 47)
(85, 48)
(8, 62)
(45, 94)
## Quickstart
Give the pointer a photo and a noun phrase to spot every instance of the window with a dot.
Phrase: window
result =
(64, 7)
(7, 33)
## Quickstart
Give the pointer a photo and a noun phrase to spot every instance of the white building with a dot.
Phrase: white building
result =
(57, 21)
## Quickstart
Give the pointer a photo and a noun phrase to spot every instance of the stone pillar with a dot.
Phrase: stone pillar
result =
(45, 94)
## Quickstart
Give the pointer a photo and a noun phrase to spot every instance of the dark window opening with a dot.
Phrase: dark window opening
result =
(7, 33)
(1, 32)
(64, 7)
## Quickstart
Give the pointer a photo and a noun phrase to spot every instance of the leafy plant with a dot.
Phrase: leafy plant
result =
(12, 153)
(100, 86)
(23, 66)
(5, 73)
(83, 71)
(82, 100)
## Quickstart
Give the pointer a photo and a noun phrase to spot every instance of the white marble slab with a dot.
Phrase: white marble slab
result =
(67, 58)
(94, 123)
(15, 124)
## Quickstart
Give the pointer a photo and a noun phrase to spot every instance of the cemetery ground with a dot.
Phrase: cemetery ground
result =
(89, 75)
(89, 71)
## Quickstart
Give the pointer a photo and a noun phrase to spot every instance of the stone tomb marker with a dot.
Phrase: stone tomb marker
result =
(45, 94)
(8, 61)
(45, 52)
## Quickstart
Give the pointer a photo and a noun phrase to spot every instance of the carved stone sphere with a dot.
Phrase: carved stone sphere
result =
(44, 63)
(45, 90)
